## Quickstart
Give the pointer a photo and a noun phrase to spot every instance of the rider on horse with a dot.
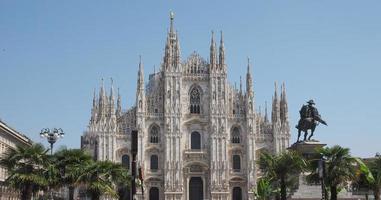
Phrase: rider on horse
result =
(307, 112)
(309, 118)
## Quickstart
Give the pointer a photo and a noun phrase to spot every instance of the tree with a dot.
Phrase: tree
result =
(26, 167)
(370, 176)
(340, 168)
(265, 190)
(102, 178)
(70, 164)
(375, 169)
(282, 168)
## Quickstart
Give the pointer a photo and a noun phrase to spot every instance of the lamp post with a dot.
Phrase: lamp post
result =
(321, 168)
(52, 136)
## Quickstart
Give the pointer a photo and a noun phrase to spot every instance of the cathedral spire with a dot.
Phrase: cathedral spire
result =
(118, 105)
(266, 115)
(240, 84)
(102, 107)
(249, 89)
(94, 99)
(112, 98)
(171, 29)
(213, 53)
(140, 96)
(172, 49)
(94, 109)
(283, 105)
(102, 93)
(275, 115)
(222, 54)
(140, 74)
(249, 80)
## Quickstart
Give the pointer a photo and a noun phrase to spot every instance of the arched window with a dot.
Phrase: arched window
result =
(236, 136)
(154, 134)
(195, 101)
(236, 163)
(195, 140)
(126, 161)
(154, 163)
(237, 193)
(154, 193)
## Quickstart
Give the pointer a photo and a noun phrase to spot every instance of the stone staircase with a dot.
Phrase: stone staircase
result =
(313, 192)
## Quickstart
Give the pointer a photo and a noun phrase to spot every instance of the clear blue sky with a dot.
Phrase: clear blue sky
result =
(54, 53)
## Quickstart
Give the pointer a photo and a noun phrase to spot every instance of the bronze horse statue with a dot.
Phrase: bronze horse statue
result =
(309, 119)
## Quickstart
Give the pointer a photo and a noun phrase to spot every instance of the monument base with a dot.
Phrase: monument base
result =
(308, 149)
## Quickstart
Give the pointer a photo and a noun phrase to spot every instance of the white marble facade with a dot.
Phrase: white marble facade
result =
(9, 139)
(199, 136)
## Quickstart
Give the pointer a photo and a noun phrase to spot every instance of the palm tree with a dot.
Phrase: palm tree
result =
(102, 178)
(340, 168)
(282, 168)
(26, 166)
(371, 178)
(71, 163)
(265, 189)
(375, 169)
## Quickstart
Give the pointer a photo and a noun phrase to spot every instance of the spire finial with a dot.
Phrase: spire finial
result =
(112, 85)
(102, 90)
(212, 40)
(240, 84)
(94, 98)
(213, 55)
(172, 17)
(222, 39)
(266, 115)
(222, 53)
(248, 65)
(140, 74)
(118, 105)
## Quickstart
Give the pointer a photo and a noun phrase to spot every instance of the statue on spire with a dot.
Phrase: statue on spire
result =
(309, 119)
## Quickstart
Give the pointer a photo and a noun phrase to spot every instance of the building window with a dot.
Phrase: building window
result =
(195, 140)
(237, 193)
(154, 193)
(195, 101)
(126, 161)
(236, 136)
(236, 163)
(154, 163)
(154, 134)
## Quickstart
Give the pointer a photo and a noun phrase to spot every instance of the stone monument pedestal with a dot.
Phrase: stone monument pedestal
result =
(307, 148)
(305, 190)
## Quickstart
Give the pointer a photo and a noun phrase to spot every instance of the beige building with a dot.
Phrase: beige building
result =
(9, 138)
(199, 136)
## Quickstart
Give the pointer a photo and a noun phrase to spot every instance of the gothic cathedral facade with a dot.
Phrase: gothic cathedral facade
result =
(199, 137)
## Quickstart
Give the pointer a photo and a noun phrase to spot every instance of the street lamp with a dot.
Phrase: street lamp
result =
(52, 136)
(321, 170)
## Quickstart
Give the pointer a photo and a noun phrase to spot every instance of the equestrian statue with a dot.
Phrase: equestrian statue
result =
(309, 119)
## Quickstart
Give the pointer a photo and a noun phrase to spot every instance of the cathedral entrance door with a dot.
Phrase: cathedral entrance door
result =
(196, 189)
(237, 193)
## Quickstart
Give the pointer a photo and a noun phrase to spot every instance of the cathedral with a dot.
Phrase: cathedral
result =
(199, 136)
